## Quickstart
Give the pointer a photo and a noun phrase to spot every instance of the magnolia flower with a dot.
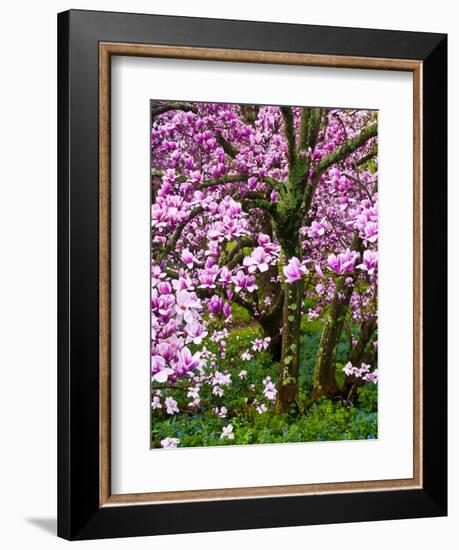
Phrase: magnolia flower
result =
(162, 375)
(294, 270)
(221, 413)
(187, 361)
(170, 443)
(208, 277)
(372, 376)
(244, 282)
(317, 229)
(216, 390)
(370, 262)
(362, 372)
(274, 196)
(258, 259)
(193, 392)
(225, 275)
(187, 258)
(227, 310)
(187, 303)
(269, 391)
(222, 379)
(195, 332)
(342, 262)
(215, 304)
(164, 287)
(171, 405)
(227, 432)
(183, 283)
(370, 232)
(156, 403)
(348, 369)
(259, 343)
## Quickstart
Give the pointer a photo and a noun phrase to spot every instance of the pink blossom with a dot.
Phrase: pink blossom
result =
(244, 282)
(215, 304)
(156, 403)
(171, 405)
(370, 232)
(208, 277)
(227, 310)
(227, 432)
(261, 343)
(317, 229)
(221, 413)
(187, 304)
(370, 262)
(258, 259)
(187, 258)
(262, 408)
(269, 391)
(294, 270)
(342, 262)
(170, 443)
(195, 332)
(188, 361)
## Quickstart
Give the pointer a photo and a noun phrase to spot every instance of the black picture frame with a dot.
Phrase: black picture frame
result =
(80, 515)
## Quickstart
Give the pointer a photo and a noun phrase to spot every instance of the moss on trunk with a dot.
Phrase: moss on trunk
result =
(290, 354)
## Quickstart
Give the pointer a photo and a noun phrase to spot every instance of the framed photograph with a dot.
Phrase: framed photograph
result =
(252, 275)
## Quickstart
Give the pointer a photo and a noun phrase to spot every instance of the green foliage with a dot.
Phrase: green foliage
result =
(325, 421)
(368, 397)
(239, 314)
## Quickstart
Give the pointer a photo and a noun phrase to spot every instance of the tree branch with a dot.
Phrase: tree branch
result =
(345, 150)
(222, 180)
(309, 127)
(367, 157)
(289, 131)
(178, 231)
(304, 127)
(160, 109)
(229, 149)
(245, 242)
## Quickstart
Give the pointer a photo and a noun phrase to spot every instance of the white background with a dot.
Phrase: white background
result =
(28, 274)
(135, 467)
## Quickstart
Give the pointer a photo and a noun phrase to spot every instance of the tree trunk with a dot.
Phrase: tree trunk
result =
(324, 374)
(290, 354)
(357, 356)
(367, 329)
(271, 327)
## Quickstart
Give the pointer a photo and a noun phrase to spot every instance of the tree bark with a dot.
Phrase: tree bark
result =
(324, 374)
(367, 329)
(290, 354)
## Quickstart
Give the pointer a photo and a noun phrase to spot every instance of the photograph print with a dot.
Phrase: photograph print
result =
(264, 274)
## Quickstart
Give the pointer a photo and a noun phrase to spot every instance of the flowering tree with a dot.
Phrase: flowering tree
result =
(273, 210)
